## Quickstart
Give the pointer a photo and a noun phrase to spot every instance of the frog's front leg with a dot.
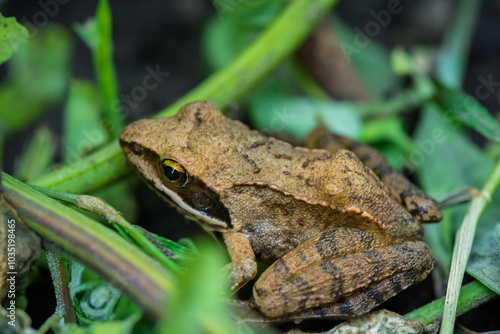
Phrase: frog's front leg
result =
(243, 266)
(341, 273)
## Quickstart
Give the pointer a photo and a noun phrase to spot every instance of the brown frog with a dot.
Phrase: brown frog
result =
(340, 240)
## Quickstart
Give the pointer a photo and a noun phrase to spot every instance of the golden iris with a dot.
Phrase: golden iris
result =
(174, 173)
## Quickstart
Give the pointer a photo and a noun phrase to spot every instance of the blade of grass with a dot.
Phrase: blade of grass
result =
(471, 296)
(97, 34)
(124, 265)
(461, 251)
(41, 149)
(279, 40)
(105, 68)
(451, 70)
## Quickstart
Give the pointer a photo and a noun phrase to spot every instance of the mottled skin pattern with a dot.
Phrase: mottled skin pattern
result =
(339, 242)
(421, 205)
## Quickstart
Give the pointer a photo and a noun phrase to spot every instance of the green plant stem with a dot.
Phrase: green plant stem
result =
(463, 245)
(103, 209)
(51, 321)
(141, 278)
(108, 164)
(105, 69)
(60, 278)
(471, 296)
(307, 83)
(422, 91)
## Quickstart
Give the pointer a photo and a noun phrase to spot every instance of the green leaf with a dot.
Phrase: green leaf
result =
(235, 26)
(197, 305)
(103, 59)
(445, 160)
(37, 79)
(455, 48)
(43, 64)
(388, 136)
(12, 34)
(125, 326)
(297, 116)
(464, 109)
(39, 155)
(88, 33)
(181, 252)
(97, 35)
(484, 261)
(83, 128)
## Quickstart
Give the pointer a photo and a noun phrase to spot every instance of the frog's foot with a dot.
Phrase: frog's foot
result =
(320, 279)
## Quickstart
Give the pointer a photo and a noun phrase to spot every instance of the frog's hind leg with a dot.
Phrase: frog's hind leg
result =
(324, 278)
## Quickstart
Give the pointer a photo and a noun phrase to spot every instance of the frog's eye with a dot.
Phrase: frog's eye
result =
(174, 173)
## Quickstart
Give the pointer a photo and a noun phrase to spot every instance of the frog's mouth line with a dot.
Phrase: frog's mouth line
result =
(197, 201)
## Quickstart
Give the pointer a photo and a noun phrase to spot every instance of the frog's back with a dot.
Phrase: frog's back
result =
(274, 190)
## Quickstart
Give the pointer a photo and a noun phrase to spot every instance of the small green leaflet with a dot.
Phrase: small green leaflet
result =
(465, 109)
(12, 34)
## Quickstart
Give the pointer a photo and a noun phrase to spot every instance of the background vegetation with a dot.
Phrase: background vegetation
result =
(76, 75)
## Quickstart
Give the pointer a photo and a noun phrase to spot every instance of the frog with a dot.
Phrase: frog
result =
(339, 239)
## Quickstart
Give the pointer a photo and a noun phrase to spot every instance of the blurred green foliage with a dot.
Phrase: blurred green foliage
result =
(38, 76)
(438, 154)
(11, 37)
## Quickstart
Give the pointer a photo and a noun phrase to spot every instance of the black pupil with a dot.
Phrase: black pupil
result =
(172, 174)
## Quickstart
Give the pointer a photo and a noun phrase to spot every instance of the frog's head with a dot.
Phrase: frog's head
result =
(159, 150)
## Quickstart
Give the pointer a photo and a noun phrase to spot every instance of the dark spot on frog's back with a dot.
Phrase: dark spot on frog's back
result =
(351, 155)
(257, 144)
(347, 181)
(253, 165)
(282, 156)
(197, 116)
